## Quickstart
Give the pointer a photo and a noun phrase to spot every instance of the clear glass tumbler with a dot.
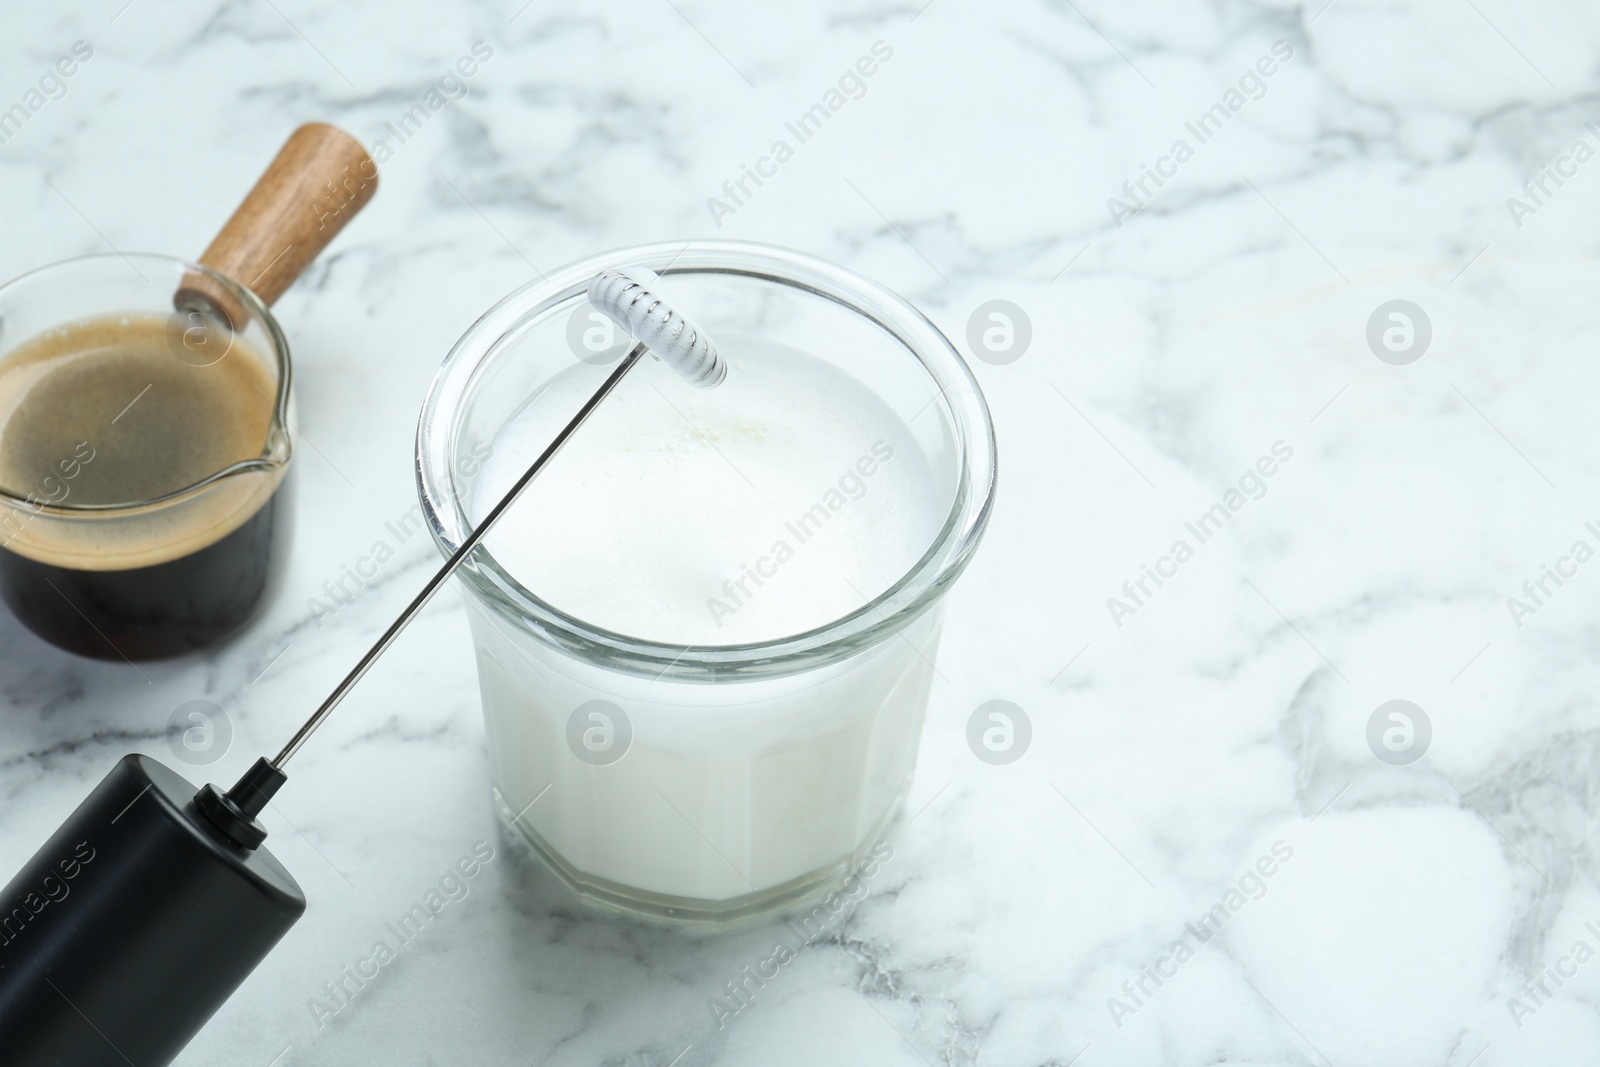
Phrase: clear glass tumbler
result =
(706, 784)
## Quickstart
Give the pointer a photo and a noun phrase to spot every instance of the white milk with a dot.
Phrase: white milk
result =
(774, 504)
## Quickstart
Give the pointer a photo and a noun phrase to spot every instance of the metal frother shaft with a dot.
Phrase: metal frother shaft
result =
(456, 559)
(234, 812)
(625, 297)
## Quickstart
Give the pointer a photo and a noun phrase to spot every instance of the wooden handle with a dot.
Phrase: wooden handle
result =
(316, 184)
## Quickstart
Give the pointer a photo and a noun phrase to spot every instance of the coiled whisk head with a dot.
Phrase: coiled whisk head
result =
(627, 298)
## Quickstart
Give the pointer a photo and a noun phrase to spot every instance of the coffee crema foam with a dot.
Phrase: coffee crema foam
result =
(111, 389)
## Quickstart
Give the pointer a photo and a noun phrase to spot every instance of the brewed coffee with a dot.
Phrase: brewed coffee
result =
(115, 413)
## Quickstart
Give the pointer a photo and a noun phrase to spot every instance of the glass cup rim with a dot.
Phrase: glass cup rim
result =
(276, 451)
(923, 584)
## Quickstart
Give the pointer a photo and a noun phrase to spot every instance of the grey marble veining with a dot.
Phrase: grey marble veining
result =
(1414, 914)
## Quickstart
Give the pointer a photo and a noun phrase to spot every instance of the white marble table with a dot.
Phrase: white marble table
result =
(1181, 736)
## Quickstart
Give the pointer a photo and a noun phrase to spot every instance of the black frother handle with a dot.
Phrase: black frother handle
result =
(131, 927)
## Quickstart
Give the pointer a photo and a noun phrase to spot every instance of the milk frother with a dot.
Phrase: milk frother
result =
(150, 905)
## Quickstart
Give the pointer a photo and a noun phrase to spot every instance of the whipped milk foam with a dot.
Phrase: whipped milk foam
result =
(771, 505)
